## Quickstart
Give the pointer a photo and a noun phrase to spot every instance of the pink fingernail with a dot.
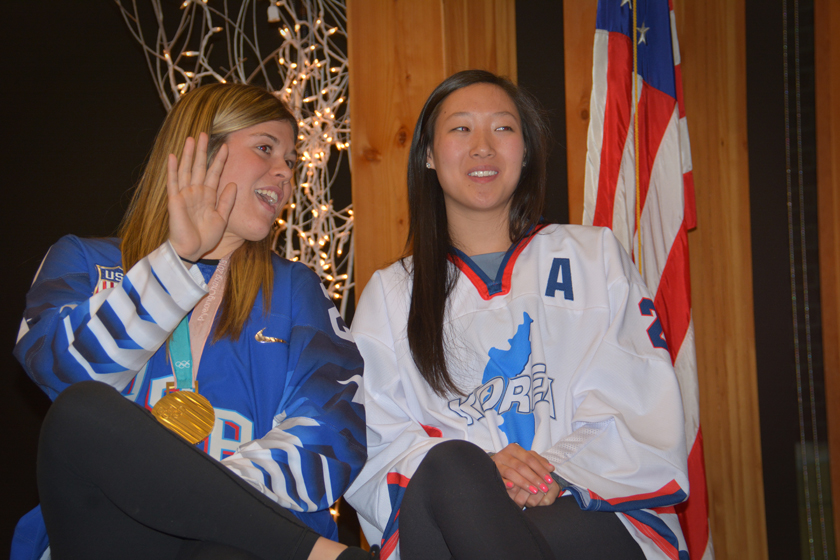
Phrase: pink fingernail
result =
(532, 490)
(543, 487)
(509, 484)
(548, 479)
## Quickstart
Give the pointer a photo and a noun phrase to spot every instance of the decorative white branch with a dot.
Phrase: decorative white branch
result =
(297, 50)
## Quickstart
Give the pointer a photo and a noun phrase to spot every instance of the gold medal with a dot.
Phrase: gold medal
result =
(186, 413)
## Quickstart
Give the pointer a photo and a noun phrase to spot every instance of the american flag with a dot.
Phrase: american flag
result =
(656, 235)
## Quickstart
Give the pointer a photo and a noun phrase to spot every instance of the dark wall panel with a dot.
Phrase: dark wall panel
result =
(782, 153)
(539, 61)
(79, 116)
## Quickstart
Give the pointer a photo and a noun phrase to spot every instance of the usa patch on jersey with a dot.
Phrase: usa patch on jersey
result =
(109, 276)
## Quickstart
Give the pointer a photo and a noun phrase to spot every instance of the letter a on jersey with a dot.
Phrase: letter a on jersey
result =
(560, 279)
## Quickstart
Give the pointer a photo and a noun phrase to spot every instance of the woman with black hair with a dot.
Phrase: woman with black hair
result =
(520, 397)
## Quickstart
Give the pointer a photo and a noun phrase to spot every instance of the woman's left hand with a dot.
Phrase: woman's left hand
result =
(198, 213)
(525, 498)
(527, 476)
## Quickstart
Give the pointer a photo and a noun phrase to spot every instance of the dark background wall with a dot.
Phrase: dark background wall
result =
(539, 37)
(79, 116)
(786, 277)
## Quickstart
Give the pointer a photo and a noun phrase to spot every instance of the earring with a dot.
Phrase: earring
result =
(428, 165)
(524, 163)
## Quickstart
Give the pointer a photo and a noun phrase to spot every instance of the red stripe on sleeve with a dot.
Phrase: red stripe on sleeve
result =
(671, 488)
(398, 479)
(387, 548)
(658, 539)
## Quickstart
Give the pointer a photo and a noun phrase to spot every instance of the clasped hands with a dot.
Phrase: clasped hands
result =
(527, 476)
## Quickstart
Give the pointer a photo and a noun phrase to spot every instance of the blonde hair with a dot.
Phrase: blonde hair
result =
(216, 110)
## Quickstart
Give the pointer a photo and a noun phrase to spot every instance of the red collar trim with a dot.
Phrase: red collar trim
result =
(497, 287)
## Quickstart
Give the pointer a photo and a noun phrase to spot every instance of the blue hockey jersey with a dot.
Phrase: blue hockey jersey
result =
(289, 411)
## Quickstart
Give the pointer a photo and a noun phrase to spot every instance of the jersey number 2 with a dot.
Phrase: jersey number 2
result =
(655, 332)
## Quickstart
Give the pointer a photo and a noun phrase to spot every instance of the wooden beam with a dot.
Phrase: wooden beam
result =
(390, 46)
(827, 59)
(713, 45)
(492, 47)
(578, 40)
(399, 51)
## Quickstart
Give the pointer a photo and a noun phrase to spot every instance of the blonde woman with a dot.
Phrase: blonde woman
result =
(187, 329)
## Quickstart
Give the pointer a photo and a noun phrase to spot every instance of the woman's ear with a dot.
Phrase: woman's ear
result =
(430, 160)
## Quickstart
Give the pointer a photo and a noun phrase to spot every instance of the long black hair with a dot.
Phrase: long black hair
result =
(428, 233)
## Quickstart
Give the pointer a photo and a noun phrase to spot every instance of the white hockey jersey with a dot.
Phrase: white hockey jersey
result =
(561, 353)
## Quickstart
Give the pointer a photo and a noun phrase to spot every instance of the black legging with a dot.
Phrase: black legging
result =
(114, 483)
(456, 506)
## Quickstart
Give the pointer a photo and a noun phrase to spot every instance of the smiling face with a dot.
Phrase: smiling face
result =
(261, 160)
(477, 152)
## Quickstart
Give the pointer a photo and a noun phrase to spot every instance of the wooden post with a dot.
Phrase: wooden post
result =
(827, 57)
(399, 51)
(578, 41)
(713, 43)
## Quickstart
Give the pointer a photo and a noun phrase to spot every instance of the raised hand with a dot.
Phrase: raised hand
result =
(527, 476)
(197, 213)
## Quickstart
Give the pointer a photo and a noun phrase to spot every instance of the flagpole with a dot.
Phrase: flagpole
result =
(636, 139)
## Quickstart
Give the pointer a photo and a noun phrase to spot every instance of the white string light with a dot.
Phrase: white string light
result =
(306, 67)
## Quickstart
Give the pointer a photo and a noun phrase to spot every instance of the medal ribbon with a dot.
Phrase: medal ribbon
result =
(191, 334)
(181, 357)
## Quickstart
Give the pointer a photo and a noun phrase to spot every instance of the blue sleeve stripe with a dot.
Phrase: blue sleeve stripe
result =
(266, 476)
(97, 346)
(142, 330)
(71, 333)
(112, 323)
(134, 296)
(88, 348)
(659, 527)
(397, 484)
(159, 281)
(282, 479)
(587, 503)
(307, 467)
(144, 287)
